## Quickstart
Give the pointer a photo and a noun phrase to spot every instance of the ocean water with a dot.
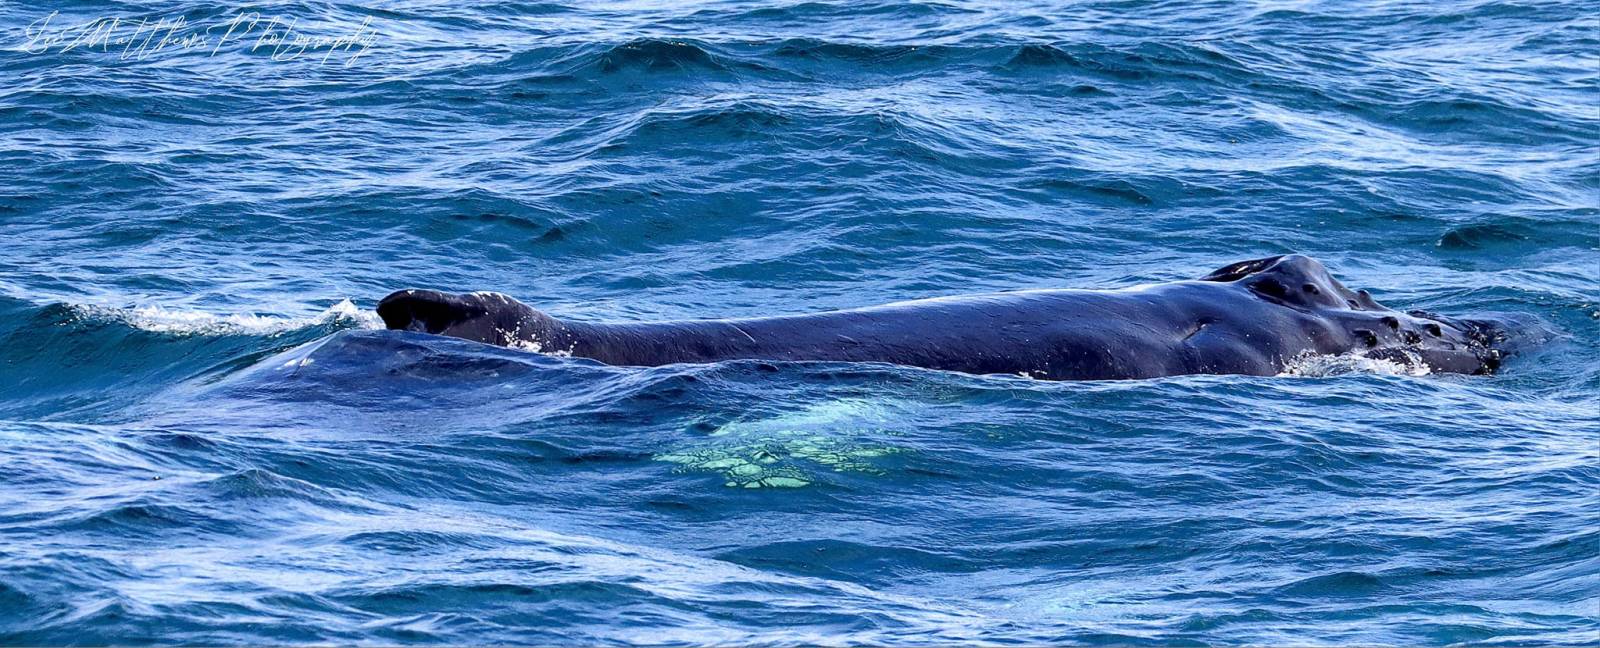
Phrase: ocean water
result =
(205, 439)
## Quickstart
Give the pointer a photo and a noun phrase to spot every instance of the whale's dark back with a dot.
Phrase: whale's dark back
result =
(1250, 317)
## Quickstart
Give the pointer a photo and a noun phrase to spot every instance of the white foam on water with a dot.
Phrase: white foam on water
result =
(1322, 366)
(160, 319)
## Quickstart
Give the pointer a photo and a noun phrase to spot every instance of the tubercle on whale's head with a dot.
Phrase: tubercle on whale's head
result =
(1494, 337)
(492, 318)
(1452, 345)
(1294, 280)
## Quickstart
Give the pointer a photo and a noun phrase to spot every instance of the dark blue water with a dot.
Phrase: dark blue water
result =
(203, 438)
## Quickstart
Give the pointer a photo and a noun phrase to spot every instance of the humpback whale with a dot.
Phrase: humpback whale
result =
(1253, 317)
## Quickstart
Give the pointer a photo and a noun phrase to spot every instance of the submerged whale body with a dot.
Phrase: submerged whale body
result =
(1252, 317)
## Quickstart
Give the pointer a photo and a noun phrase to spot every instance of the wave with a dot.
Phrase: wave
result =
(872, 139)
(657, 55)
(640, 55)
(1144, 62)
(735, 119)
(873, 54)
(160, 319)
(1513, 239)
(814, 59)
(79, 361)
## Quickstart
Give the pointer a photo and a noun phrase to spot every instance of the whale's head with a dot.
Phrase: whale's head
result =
(1446, 344)
(486, 317)
(1293, 280)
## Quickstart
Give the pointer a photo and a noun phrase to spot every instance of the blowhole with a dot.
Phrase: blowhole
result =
(1270, 287)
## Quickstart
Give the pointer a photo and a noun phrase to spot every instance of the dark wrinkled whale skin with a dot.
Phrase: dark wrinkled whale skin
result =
(1252, 317)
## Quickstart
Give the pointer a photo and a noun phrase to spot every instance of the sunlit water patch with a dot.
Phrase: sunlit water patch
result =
(789, 451)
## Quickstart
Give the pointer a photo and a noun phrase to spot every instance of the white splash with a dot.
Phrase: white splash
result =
(159, 319)
(1322, 366)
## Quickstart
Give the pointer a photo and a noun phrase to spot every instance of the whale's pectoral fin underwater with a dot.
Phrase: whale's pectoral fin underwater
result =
(1252, 317)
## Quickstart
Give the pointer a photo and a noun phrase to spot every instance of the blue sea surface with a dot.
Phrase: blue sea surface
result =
(206, 439)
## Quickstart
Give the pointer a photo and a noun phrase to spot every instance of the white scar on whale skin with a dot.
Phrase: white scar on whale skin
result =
(515, 335)
(534, 346)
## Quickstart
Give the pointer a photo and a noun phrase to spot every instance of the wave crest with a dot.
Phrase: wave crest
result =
(159, 319)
